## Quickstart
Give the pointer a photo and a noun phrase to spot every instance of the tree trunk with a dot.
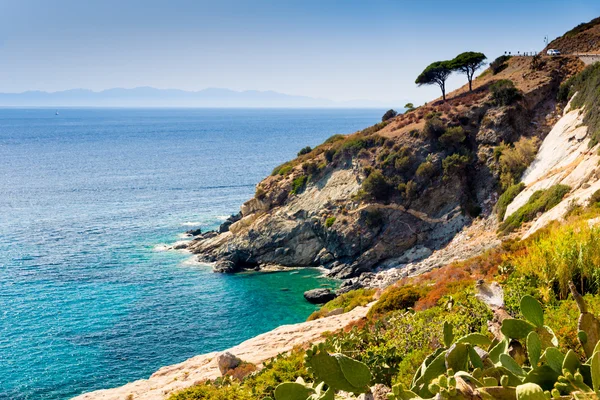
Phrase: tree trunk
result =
(443, 87)
(470, 87)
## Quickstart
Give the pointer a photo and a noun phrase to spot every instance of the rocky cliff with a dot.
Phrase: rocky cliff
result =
(396, 192)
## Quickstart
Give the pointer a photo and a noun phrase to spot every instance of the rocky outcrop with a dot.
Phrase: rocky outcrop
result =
(227, 361)
(319, 296)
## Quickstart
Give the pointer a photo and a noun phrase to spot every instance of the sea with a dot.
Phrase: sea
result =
(89, 201)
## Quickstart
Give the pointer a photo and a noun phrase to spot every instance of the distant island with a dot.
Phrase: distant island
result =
(153, 97)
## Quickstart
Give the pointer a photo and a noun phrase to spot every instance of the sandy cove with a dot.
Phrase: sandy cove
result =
(203, 367)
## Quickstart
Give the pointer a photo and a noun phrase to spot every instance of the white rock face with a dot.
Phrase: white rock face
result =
(564, 158)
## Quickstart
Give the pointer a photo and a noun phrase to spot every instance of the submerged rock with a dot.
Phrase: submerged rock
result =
(225, 267)
(319, 296)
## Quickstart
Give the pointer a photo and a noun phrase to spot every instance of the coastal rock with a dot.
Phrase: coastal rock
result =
(180, 246)
(194, 232)
(319, 296)
(225, 267)
(349, 285)
(224, 227)
(227, 361)
(336, 311)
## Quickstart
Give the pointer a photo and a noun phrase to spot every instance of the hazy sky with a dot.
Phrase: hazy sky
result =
(339, 50)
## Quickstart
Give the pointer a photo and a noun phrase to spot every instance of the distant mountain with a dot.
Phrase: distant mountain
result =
(152, 97)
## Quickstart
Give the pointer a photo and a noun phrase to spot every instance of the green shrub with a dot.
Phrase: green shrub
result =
(376, 186)
(499, 64)
(389, 114)
(329, 222)
(298, 184)
(515, 159)
(568, 252)
(304, 151)
(454, 164)
(434, 128)
(283, 169)
(504, 92)
(330, 154)
(453, 137)
(594, 199)
(348, 301)
(540, 201)
(507, 197)
(310, 168)
(426, 170)
(335, 138)
(373, 218)
(396, 298)
(351, 146)
(208, 391)
(586, 85)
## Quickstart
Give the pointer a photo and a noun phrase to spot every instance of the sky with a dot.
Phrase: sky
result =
(339, 50)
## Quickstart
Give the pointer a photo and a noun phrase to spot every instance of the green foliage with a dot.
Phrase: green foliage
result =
(373, 218)
(389, 114)
(208, 391)
(376, 186)
(396, 298)
(540, 201)
(594, 199)
(329, 222)
(409, 106)
(454, 165)
(335, 138)
(426, 170)
(499, 64)
(434, 128)
(283, 169)
(298, 184)
(515, 159)
(564, 253)
(436, 74)
(506, 198)
(586, 85)
(304, 150)
(504, 92)
(453, 137)
(467, 63)
(348, 301)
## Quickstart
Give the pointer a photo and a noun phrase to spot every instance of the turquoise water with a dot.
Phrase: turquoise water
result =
(87, 198)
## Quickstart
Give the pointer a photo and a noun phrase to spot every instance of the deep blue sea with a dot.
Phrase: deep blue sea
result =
(87, 200)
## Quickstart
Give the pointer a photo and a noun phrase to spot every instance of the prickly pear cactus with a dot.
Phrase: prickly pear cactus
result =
(530, 391)
(588, 324)
(337, 371)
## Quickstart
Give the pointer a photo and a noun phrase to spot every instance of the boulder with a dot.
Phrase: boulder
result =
(224, 227)
(319, 296)
(349, 285)
(227, 362)
(225, 267)
(194, 232)
(336, 311)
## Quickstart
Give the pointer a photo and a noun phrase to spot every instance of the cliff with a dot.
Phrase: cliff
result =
(396, 192)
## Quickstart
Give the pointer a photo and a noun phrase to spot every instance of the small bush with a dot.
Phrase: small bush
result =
(594, 199)
(335, 138)
(376, 186)
(389, 114)
(434, 128)
(396, 298)
(504, 92)
(373, 218)
(310, 168)
(540, 201)
(507, 197)
(453, 137)
(298, 184)
(304, 151)
(515, 159)
(454, 165)
(426, 170)
(348, 301)
(499, 64)
(329, 222)
(329, 154)
(283, 169)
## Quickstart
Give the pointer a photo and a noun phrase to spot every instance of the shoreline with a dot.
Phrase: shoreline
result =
(168, 379)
